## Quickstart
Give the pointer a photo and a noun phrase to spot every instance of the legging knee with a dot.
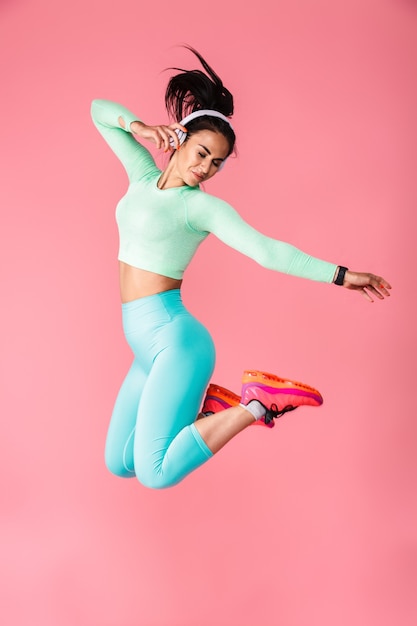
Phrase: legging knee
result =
(153, 479)
(116, 464)
(161, 468)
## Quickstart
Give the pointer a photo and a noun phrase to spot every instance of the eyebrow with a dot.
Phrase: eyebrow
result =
(208, 152)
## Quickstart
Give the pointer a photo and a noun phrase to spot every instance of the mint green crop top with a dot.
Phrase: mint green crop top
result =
(160, 230)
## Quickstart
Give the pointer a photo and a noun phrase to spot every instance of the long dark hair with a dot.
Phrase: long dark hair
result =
(192, 90)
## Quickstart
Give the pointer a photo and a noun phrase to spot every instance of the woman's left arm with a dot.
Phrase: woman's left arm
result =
(213, 215)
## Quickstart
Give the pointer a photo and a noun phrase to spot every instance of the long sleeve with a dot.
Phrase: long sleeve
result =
(210, 214)
(135, 158)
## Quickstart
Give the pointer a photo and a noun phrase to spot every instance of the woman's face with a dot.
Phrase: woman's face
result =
(200, 157)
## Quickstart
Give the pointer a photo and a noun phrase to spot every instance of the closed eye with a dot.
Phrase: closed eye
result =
(216, 162)
(202, 155)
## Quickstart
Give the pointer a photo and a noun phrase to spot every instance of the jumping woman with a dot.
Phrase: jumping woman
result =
(156, 431)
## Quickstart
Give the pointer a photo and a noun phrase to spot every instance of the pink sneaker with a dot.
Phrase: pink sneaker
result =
(277, 395)
(218, 399)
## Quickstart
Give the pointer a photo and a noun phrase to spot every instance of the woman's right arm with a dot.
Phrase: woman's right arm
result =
(115, 123)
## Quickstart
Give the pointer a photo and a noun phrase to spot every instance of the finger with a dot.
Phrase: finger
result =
(375, 291)
(174, 142)
(179, 126)
(164, 139)
(177, 140)
(384, 290)
(171, 139)
(366, 295)
(157, 138)
(167, 140)
(383, 284)
(378, 284)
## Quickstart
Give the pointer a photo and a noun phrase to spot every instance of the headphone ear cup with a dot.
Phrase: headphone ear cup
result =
(181, 137)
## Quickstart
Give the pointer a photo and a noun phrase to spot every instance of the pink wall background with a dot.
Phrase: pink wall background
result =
(314, 523)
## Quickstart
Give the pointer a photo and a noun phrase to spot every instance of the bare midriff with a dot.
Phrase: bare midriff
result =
(136, 283)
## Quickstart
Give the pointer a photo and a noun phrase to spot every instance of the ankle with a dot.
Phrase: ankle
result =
(255, 408)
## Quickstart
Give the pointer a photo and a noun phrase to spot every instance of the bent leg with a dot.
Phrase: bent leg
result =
(167, 444)
(121, 432)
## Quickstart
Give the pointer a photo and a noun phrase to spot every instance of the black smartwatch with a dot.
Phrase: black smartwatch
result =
(340, 275)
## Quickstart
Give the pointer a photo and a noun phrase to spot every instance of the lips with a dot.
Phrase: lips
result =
(199, 177)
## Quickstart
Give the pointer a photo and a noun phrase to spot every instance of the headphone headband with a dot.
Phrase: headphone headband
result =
(209, 113)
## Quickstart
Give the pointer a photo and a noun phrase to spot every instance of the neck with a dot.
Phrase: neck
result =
(170, 177)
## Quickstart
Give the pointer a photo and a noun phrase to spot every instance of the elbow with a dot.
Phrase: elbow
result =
(93, 109)
(97, 107)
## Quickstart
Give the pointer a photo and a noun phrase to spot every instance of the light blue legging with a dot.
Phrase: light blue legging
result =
(152, 434)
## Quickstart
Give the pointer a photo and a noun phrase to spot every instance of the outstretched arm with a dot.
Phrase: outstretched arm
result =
(213, 215)
(210, 214)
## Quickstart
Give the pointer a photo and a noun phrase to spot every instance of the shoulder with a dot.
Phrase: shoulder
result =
(198, 198)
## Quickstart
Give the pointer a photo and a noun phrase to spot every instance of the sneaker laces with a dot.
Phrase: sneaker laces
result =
(273, 412)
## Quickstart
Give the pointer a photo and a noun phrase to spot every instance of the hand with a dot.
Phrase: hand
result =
(367, 284)
(159, 135)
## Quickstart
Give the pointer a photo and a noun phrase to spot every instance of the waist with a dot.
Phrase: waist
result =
(159, 307)
(136, 283)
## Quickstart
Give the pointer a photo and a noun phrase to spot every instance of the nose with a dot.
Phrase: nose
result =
(205, 166)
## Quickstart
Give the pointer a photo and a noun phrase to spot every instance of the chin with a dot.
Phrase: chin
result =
(191, 181)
